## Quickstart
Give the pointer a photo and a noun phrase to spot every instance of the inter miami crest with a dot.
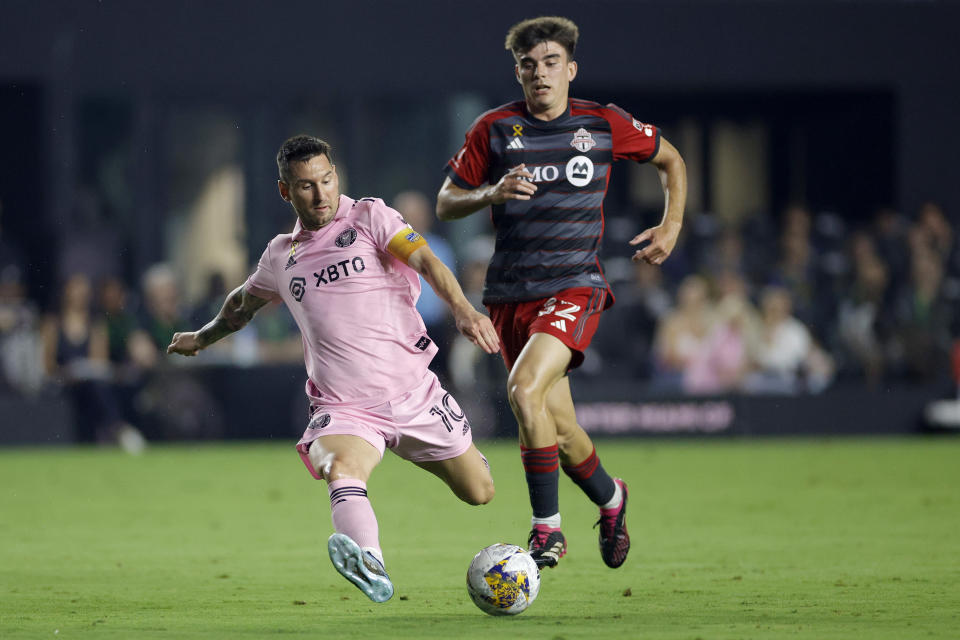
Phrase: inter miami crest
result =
(319, 421)
(346, 238)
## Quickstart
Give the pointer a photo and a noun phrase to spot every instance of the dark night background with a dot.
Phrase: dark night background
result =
(121, 122)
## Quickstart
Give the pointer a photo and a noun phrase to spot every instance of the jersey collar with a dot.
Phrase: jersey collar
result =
(546, 124)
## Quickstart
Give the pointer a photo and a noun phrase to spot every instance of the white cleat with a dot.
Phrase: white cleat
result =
(360, 567)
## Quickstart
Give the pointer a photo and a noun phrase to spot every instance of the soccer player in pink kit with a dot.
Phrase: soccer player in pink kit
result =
(348, 274)
(542, 164)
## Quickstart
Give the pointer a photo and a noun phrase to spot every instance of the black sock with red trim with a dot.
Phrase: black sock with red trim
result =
(592, 478)
(543, 479)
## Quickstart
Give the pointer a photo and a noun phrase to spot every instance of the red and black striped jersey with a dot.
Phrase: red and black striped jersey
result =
(550, 242)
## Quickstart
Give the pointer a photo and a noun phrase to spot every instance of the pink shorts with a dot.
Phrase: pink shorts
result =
(422, 425)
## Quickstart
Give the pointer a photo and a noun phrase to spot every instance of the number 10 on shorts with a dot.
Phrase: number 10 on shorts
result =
(449, 414)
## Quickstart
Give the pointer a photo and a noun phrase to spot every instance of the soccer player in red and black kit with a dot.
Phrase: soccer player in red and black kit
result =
(542, 164)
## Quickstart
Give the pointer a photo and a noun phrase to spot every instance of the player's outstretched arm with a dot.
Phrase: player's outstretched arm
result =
(673, 178)
(455, 202)
(470, 322)
(237, 310)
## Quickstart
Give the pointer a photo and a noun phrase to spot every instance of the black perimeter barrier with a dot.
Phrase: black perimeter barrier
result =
(267, 402)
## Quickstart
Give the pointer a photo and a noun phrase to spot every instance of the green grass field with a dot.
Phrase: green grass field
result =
(731, 539)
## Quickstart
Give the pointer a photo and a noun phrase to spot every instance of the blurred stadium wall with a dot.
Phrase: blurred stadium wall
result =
(139, 132)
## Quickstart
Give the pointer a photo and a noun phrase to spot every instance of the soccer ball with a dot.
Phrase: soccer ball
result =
(503, 580)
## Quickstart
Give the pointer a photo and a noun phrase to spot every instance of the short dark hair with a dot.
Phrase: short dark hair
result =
(300, 149)
(525, 35)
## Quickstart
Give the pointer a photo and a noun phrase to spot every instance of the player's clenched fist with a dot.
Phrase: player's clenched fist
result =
(514, 185)
(186, 344)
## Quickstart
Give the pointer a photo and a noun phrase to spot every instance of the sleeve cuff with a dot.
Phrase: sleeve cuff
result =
(257, 292)
(457, 179)
(656, 147)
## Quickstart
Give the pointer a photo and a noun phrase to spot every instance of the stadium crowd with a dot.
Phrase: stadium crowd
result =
(791, 307)
(788, 304)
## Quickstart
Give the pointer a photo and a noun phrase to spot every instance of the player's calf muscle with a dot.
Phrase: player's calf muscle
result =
(574, 444)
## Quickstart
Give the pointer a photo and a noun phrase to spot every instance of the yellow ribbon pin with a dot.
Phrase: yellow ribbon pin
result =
(517, 130)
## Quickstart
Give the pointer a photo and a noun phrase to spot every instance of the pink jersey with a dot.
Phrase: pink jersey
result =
(363, 340)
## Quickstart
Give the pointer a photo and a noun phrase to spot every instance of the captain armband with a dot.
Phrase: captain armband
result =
(403, 244)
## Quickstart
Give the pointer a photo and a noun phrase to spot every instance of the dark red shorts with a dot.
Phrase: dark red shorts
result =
(572, 315)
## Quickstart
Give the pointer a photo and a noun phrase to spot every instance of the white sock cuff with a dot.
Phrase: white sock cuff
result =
(616, 499)
(551, 521)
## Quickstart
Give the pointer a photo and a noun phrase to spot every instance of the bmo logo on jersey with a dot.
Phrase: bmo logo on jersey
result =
(579, 171)
(544, 173)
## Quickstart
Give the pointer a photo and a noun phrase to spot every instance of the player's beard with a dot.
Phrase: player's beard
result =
(312, 219)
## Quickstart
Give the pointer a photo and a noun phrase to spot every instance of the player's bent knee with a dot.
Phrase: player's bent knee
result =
(337, 468)
(479, 493)
(523, 394)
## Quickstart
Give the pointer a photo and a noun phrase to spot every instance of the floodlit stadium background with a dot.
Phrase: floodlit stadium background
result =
(138, 142)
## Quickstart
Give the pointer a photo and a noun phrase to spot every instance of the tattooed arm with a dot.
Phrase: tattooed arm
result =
(235, 314)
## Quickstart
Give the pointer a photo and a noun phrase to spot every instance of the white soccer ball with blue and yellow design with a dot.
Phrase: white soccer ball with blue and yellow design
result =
(503, 580)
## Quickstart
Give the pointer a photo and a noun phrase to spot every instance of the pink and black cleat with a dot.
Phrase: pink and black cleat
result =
(614, 539)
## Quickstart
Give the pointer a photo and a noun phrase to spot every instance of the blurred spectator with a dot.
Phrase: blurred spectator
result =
(796, 269)
(10, 256)
(76, 356)
(932, 232)
(683, 258)
(277, 334)
(626, 343)
(923, 319)
(682, 334)
(243, 348)
(418, 211)
(723, 360)
(862, 324)
(890, 232)
(212, 300)
(131, 350)
(785, 358)
(464, 358)
(478, 379)
(726, 255)
(162, 313)
(748, 250)
(476, 258)
(796, 221)
(175, 404)
(20, 351)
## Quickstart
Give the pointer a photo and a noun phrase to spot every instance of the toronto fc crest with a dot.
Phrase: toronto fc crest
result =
(583, 141)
